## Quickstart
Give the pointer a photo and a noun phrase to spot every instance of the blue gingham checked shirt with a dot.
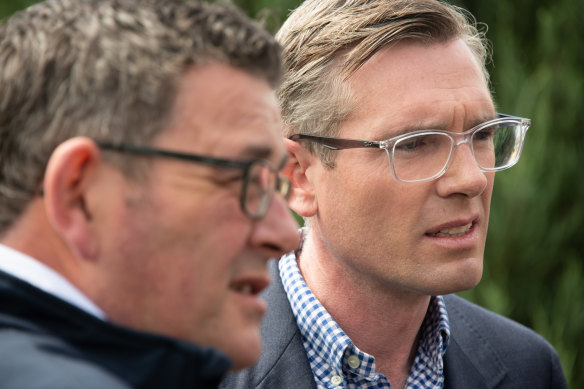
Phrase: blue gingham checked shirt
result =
(337, 363)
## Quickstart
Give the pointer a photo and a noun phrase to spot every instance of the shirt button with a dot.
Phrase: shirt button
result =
(336, 380)
(354, 361)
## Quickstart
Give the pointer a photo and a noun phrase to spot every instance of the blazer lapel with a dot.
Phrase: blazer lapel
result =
(283, 363)
(459, 371)
(469, 362)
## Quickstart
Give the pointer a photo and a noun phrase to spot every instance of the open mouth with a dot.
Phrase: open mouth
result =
(249, 286)
(242, 287)
(453, 232)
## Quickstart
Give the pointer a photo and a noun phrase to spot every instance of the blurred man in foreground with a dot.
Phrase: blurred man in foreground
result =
(140, 194)
(394, 140)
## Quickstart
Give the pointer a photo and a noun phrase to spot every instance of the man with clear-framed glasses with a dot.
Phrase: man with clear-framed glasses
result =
(426, 154)
(394, 141)
(141, 193)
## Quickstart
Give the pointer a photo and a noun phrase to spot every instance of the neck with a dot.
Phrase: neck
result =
(51, 250)
(381, 320)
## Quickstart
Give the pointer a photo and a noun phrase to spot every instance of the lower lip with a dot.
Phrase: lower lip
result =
(251, 302)
(467, 241)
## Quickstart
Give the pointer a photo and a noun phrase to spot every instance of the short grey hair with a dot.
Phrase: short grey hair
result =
(325, 41)
(106, 69)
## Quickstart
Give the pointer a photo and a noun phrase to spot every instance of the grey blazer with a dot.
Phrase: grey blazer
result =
(485, 351)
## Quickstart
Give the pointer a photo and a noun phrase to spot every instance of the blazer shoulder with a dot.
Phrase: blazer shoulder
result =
(499, 348)
(475, 322)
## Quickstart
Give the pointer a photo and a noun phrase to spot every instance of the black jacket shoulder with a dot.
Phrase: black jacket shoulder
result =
(47, 343)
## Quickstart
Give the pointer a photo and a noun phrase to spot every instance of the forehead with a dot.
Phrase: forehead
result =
(224, 112)
(412, 84)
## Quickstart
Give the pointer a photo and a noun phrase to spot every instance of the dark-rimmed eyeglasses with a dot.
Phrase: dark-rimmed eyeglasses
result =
(425, 155)
(259, 183)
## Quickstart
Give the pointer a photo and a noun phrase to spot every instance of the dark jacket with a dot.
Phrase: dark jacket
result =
(485, 351)
(47, 343)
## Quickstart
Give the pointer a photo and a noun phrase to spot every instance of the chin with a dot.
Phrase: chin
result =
(468, 279)
(458, 280)
(463, 286)
(245, 354)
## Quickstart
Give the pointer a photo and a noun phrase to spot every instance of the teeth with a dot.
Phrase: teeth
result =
(243, 288)
(453, 232)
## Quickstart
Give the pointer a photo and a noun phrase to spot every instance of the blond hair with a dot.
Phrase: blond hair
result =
(325, 41)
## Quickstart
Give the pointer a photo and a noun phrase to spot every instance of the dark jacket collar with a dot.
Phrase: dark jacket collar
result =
(143, 360)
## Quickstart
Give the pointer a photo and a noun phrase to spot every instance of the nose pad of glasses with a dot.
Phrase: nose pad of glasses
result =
(469, 144)
(466, 140)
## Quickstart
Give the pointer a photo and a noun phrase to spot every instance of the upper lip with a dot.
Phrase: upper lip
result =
(453, 224)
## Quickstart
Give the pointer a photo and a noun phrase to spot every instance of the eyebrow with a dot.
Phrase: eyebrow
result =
(483, 119)
(263, 152)
(413, 128)
(256, 152)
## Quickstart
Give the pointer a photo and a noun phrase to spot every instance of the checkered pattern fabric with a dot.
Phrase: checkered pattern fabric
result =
(337, 363)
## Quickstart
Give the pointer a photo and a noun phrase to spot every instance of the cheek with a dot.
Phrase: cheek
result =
(213, 223)
(372, 218)
(190, 281)
(182, 244)
(352, 191)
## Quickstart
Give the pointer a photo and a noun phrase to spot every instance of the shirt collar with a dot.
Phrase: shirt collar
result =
(331, 352)
(43, 277)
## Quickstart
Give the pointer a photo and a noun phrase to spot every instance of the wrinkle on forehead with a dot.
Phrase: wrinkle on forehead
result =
(225, 112)
(411, 86)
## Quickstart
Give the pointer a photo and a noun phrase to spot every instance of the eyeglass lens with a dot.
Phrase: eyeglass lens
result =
(423, 156)
(259, 188)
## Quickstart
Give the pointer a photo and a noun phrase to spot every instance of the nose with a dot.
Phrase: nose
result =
(463, 175)
(277, 232)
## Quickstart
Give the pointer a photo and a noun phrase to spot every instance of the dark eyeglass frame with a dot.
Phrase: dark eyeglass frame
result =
(335, 144)
(282, 184)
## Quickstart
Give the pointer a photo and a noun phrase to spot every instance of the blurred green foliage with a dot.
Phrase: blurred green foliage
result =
(8, 7)
(534, 269)
(535, 250)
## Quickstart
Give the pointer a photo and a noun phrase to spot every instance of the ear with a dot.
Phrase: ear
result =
(67, 178)
(300, 161)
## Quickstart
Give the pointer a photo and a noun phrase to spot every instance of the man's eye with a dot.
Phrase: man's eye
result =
(485, 134)
(230, 179)
(411, 144)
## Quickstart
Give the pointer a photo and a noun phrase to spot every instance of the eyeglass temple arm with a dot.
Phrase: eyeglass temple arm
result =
(337, 143)
(524, 121)
(171, 154)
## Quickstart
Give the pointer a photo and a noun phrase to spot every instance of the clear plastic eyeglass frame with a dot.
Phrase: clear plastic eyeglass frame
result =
(260, 179)
(505, 128)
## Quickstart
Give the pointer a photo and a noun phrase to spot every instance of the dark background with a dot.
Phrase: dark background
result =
(534, 269)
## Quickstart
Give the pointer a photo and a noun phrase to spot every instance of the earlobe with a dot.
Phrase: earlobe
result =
(66, 182)
(303, 199)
